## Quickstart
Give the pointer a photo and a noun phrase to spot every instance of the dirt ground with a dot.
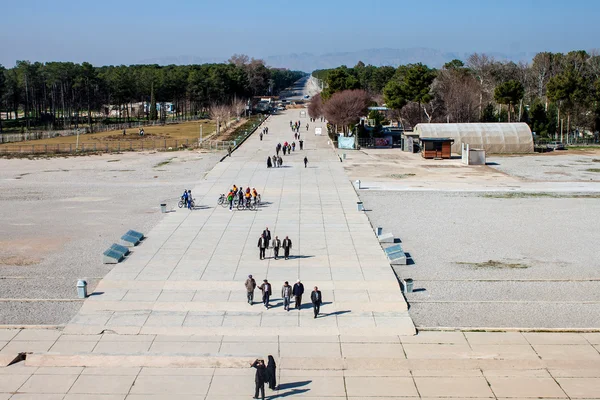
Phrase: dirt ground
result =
(59, 214)
(506, 245)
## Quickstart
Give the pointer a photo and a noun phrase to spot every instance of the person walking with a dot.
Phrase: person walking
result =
(280, 161)
(293, 146)
(250, 286)
(265, 288)
(260, 135)
(307, 127)
(287, 245)
(274, 161)
(269, 165)
(259, 378)
(284, 149)
(276, 246)
(317, 300)
(267, 235)
(229, 151)
(286, 295)
(189, 201)
(305, 161)
(301, 142)
(297, 292)
(230, 197)
(240, 196)
(272, 373)
(262, 246)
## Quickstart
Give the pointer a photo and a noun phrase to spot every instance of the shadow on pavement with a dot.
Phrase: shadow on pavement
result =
(292, 385)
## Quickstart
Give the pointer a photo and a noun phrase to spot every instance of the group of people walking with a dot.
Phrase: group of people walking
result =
(264, 131)
(276, 244)
(275, 161)
(288, 292)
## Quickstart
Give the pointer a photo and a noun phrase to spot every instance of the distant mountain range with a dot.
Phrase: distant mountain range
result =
(308, 62)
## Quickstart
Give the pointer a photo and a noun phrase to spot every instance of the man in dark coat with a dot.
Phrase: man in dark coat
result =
(297, 292)
(265, 288)
(262, 246)
(317, 300)
(287, 245)
(267, 235)
(276, 246)
(259, 378)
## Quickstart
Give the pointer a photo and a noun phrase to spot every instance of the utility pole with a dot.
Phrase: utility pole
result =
(200, 143)
(562, 120)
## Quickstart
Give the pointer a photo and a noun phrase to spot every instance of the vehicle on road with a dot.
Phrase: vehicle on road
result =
(556, 146)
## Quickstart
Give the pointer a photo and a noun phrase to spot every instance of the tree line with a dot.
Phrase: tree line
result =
(57, 95)
(552, 92)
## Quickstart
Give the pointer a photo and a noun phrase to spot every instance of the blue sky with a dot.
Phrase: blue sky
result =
(125, 32)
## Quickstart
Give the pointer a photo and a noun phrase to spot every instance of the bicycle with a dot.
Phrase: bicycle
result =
(221, 199)
(182, 203)
(247, 205)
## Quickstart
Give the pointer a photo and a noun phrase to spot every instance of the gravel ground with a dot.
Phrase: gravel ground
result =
(449, 233)
(58, 216)
(555, 166)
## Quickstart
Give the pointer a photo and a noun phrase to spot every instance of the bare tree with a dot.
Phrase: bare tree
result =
(482, 67)
(346, 107)
(315, 107)
(460, 93)
(239, 60)
(238, 106)
(220, 113)
(411, 114)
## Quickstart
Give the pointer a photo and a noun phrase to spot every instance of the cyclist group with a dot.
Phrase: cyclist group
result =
(248, 198)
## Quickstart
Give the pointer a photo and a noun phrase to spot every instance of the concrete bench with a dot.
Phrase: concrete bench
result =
(386, 238)
(131, 238)
(112, 256)
(396, 255)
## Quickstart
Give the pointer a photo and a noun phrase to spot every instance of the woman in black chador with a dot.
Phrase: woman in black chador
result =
(271, 373)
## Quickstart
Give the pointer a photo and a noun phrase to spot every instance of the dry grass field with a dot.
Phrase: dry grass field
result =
(182, 131)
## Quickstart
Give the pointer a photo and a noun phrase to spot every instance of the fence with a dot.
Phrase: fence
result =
(21, 137)
(116, 146)
(217, 144)
(571, 141)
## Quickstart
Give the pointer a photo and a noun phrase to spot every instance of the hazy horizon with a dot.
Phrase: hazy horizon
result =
(114, 32)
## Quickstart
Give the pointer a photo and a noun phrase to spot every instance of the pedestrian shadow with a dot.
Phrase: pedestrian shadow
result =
(292, 385)
(293, 392)
(300, 257)
(338, 313)
(201, 208)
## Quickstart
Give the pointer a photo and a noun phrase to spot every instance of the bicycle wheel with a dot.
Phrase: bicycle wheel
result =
(193, 204)
(240, 206)
(180, 204)
(221, 201)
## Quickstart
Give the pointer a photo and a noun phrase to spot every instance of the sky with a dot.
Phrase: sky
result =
(128, 32)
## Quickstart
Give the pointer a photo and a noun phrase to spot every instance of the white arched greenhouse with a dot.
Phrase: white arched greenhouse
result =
(494, 138)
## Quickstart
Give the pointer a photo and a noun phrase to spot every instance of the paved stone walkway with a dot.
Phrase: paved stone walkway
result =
(172, 320)
(188, 276)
